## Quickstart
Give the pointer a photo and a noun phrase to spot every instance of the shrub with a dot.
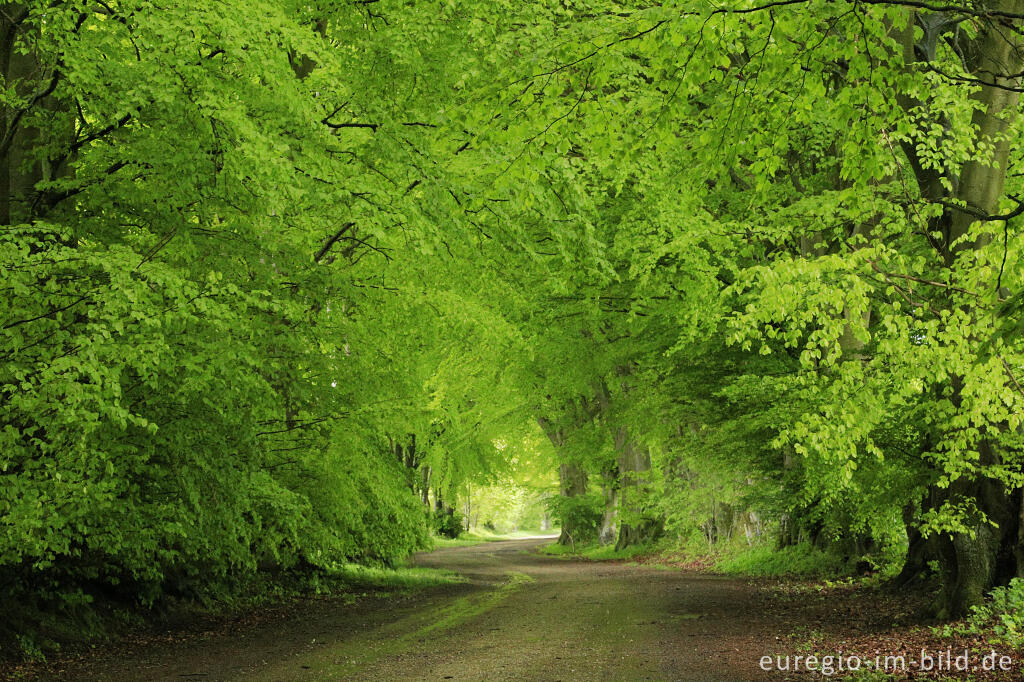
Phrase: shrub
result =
(579, 515)
(1001, 619)
(448, 523)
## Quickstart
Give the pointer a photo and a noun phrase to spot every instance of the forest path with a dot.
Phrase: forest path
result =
(565, 619)
(520, 616)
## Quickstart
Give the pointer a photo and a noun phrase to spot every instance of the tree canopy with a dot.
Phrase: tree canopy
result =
(276, 276)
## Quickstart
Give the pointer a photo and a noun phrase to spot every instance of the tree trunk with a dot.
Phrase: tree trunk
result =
(996, 51)
(919, 552)
(18, 173)
(425, 485)
(572, 480)
(987, 555)
(751, 527)
(636, 525)
(573, 483)
(411, 458)
(611, 510)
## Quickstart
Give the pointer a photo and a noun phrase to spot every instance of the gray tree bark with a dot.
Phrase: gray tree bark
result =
(973, 562)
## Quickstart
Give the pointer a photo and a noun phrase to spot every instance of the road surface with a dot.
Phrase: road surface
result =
(520, 616)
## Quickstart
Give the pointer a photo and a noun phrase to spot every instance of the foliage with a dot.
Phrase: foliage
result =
(580, 512)
(507, 507)
(803, 560)
(278, 276)
(1000, 619)
(448, 524)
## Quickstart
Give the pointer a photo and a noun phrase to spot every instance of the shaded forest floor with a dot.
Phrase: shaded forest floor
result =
(526, 616)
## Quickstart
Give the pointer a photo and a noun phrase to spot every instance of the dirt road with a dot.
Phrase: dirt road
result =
(520, 616)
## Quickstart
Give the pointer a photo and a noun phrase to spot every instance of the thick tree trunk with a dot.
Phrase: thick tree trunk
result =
(573, 483)
(637, 525)
(572, 480)
(997, 51)
(425, 485)
(611, 511)
(987, 556)
(974, 561)
(18, 172)
(1018, 549)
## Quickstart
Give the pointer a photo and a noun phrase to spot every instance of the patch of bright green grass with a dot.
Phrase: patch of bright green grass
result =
(737, 559)
(766, 560)
(609, 552)
(555, 549)
(477, 536)
(594, 551)
(464, 541)
(403, 578)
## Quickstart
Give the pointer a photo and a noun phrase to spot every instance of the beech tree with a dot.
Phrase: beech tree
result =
(832, 182)
(277, 277)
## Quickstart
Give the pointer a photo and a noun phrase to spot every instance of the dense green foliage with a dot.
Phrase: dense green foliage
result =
(1000, 620)
(284, 283)
(210, 344)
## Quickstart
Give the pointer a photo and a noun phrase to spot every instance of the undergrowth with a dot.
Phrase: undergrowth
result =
(71, 620)
(597, 552)
(797, 560)
(1000, 620)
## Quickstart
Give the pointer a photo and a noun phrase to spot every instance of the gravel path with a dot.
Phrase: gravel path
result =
(520, 616)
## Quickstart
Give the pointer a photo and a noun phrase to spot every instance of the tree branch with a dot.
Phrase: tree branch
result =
(332, 241)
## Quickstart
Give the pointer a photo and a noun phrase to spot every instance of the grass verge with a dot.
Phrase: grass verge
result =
(760, 560)
(797, 560)
(478, 536)
(597, 552)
